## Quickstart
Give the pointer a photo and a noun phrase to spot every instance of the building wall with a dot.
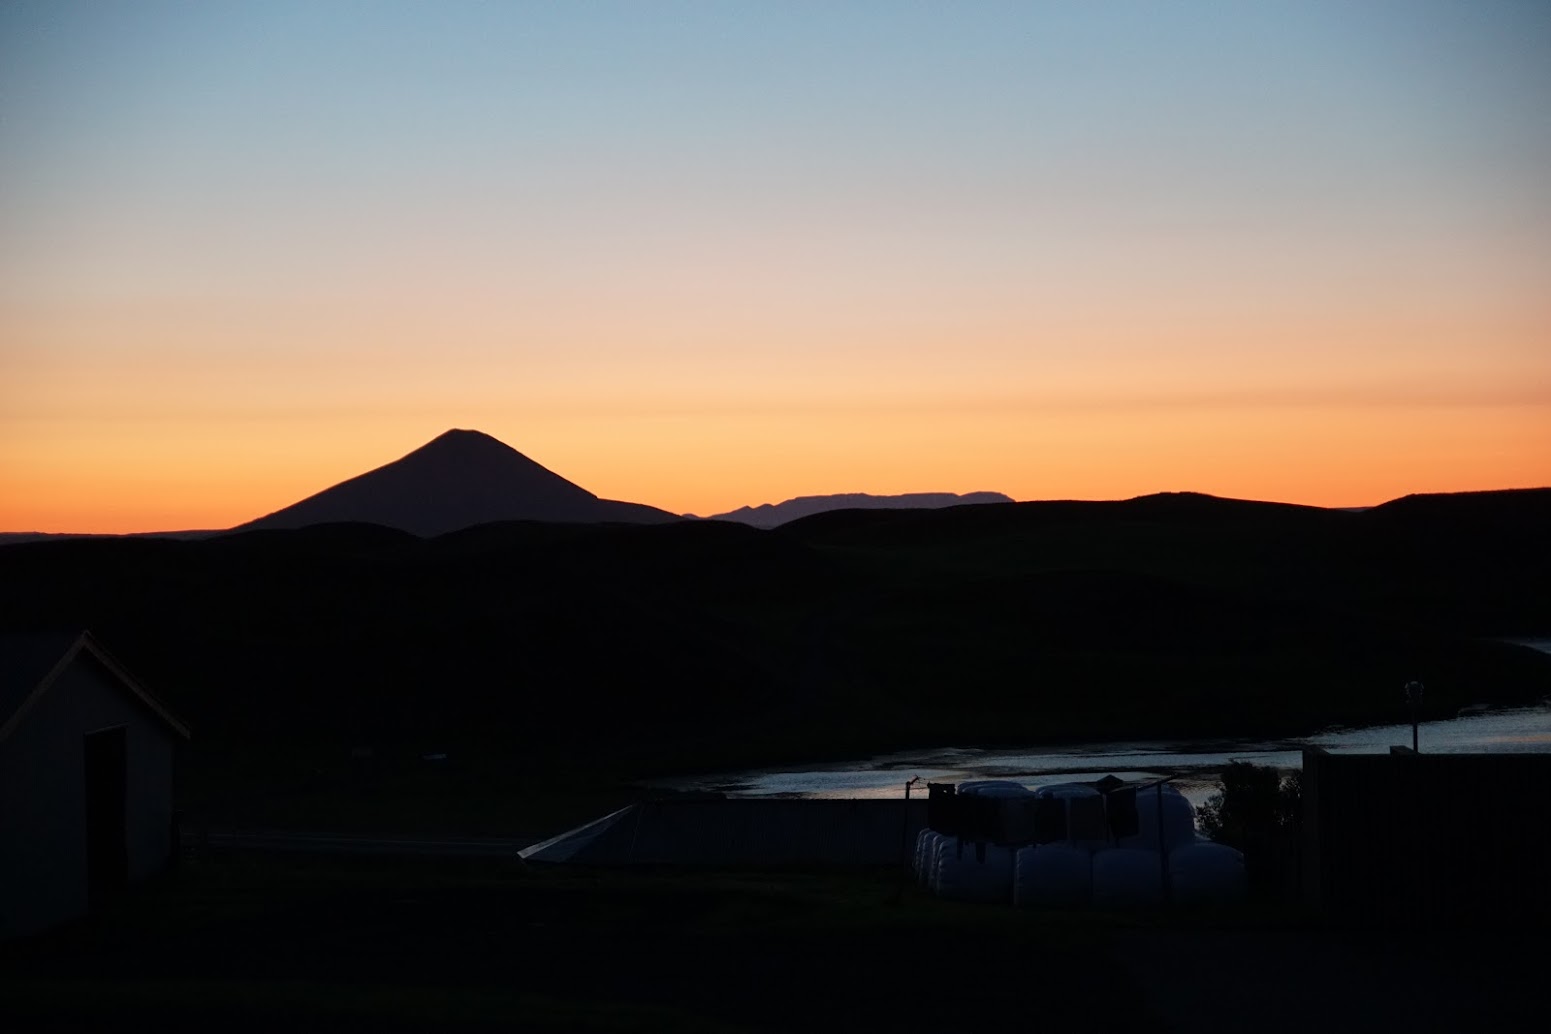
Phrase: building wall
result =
(43, 797)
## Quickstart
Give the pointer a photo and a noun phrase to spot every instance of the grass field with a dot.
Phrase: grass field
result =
(251, 943)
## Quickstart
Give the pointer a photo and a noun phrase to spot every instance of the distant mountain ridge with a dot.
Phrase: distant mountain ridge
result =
(458, 479)
(465, 478)
(771, 515)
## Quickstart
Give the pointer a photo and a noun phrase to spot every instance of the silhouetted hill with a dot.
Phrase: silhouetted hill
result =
(1178, 508)
(459, 479)
(1469, 510)
(768, 515)
(1470, 563)
(559, 651)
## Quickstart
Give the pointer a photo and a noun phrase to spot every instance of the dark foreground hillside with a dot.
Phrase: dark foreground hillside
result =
(319, 666)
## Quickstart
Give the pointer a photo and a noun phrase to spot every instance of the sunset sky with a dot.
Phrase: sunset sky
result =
(701, 255)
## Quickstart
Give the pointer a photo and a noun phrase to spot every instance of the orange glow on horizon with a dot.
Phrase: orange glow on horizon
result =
(113, 478)
(174, 415)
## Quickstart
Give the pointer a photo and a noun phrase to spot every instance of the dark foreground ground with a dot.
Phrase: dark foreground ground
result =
(263, 943)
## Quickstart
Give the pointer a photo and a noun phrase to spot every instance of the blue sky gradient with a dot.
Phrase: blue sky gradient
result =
(353, 222)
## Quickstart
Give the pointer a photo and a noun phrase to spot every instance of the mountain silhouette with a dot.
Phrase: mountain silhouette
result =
(456, 480)
(769, 515)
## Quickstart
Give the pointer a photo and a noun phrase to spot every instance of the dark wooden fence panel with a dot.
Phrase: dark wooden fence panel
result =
(1428, 835)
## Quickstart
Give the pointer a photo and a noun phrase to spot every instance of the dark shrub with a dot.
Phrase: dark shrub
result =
(1259, 811)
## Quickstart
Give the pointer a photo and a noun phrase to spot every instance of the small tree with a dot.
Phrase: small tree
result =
(1251, 800)
(1259, 811)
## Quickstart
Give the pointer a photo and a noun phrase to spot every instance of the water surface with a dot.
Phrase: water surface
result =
(1195, 764)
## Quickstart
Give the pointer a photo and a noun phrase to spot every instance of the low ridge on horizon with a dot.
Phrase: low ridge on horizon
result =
(458, 479)
(773, 515)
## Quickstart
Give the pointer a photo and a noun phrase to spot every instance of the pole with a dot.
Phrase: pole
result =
(1163, 854)
(1414, 699)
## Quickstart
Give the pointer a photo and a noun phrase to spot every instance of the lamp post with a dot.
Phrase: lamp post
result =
(1414, 701)
(904, 833)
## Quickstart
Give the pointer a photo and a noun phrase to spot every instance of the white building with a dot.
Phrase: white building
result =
(86, 770)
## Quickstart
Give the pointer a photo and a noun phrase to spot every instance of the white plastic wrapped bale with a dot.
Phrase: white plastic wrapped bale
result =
(1016, 823)
(1179, 820)
(1206, 873)
(941, 848)
(942, 845)
(984, 785)
(1070, 792)
(926, 855)
(1066, 790)
(1126, 878)
(1052, 876)
(962, 876)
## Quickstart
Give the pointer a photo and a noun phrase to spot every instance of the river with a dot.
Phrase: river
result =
(1194, 764)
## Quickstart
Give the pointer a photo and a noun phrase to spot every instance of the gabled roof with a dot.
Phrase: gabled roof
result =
(31, 664)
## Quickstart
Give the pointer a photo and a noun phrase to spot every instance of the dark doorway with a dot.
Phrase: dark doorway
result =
(107, 859)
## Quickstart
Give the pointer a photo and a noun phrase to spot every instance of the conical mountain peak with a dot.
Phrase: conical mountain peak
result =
(459, 437)
(458, 479)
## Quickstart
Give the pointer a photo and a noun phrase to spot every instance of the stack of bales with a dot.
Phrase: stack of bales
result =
(1059, 874)
(1162, 860)
(974, 871)
(1131, 873)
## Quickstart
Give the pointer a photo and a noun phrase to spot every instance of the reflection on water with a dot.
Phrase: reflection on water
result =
(1195, 764)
